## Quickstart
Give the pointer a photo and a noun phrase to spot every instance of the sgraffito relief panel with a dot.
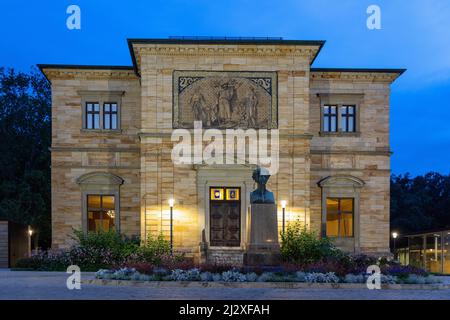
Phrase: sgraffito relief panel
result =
(225, 99)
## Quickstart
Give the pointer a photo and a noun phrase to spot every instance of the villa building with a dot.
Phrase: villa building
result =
(112, 143)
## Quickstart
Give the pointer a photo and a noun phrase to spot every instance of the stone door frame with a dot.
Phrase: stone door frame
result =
(223, 176)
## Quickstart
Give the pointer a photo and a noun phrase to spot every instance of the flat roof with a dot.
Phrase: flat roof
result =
(425, 232)
(225, 40)
(377, 70)
(81, 66)
(218, 40)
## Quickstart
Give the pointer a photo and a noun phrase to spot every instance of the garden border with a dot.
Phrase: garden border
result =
(272, 285)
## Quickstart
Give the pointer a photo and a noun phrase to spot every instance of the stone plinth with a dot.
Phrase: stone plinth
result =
(263, 247)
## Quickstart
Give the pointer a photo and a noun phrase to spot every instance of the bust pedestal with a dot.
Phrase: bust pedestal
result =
(263, 247)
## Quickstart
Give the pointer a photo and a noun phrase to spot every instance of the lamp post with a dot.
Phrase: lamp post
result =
(171, 203)
(30, 233)
(395, 236)
(283, 207)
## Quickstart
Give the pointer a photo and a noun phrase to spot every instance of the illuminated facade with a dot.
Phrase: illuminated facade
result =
(111, 144)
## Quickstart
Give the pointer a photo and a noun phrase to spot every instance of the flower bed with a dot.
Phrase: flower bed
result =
(97, 250)
(307, 258)
(235, 275)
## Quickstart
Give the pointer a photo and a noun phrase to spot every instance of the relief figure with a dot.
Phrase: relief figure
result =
(251, 102)
(197, 103)
(226, 97)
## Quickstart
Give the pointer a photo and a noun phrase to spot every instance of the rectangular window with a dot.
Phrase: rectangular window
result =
(232, 194)
(216, 194)
(329, 118)
(101, 212)
(340, 212)
(347, 118)
(92, 115)
(110, 116)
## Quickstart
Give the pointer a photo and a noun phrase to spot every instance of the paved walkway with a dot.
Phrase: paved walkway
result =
(52, 285)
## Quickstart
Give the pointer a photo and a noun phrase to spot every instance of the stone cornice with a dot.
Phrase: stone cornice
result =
(385, 152)
(386, 77)
(88, 74)
(93, 149)
(240, 50)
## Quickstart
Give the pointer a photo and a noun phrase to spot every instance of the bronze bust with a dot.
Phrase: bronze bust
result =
(261, 194)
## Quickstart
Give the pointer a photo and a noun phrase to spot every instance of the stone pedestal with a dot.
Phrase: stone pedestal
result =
(262, 245)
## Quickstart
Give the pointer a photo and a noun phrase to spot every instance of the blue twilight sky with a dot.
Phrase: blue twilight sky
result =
(415, 35)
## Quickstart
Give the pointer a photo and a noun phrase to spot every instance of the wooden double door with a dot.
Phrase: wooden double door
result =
(225, 216)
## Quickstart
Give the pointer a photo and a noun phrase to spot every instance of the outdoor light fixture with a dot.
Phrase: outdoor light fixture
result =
(171, 203)
(283, 206)
(30, 233)
(395, 236)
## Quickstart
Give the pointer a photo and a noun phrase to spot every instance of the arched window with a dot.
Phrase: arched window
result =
(100, 198)
(340, 209)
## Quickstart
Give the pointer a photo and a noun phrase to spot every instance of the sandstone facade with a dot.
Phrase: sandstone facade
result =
(138, 154)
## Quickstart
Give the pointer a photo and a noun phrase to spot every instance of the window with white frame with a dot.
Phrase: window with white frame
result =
(92, 115)
(101, 110)
(110, 116)
(338, 118)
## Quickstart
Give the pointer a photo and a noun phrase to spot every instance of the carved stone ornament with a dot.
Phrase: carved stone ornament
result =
(225, 99)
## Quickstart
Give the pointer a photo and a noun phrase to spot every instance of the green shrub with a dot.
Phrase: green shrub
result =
(104, 246)
(298, 245)
(102, 250)
(155, 249)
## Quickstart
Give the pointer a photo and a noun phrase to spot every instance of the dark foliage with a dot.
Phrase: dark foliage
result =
(420, 203)
(402, 271)
(25, 131)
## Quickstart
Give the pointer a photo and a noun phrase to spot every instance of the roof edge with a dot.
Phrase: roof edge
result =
(225, 41)
(43, 66)
(376, 70)
(81, 66)
(132, 41)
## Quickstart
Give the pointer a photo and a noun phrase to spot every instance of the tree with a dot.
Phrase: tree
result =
(25, 136)
(420, 203)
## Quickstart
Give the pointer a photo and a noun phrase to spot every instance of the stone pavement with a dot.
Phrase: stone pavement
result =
(52, 285)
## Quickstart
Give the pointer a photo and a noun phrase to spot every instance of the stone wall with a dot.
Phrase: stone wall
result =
(76, 151)
(140, 153)
(365, 154)
(161, 180)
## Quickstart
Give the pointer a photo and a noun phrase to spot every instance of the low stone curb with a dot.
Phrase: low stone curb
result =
(273, 285)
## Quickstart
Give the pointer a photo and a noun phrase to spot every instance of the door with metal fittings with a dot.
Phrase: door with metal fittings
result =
(225, 217)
